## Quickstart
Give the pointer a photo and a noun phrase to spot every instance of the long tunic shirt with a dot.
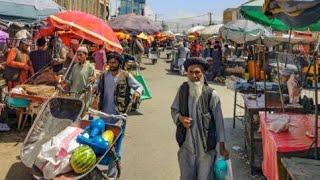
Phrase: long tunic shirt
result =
(80, 75)
(193, 161)
(109, 89)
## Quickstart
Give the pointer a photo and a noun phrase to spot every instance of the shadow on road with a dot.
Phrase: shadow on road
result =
(18, 171)
(135, 113)
(13, 136)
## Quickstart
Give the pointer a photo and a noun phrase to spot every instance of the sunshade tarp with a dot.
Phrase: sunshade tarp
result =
(294, 13)
(253, 11)
(195, 29)
(211, 30)
(272, 40)
(27, 11)
(136, 23)
(85, 26)
(242, 31)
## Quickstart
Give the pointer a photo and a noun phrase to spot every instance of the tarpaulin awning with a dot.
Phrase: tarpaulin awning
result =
(211, 30)
(86, 26)
(294, 13)
(253, 11)
(242, 31)
(195, 29)
(134, 23)
(27, 11)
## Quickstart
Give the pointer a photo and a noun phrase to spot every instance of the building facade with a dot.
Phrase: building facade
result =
(99, 8)
(231, 14)
(132, 6)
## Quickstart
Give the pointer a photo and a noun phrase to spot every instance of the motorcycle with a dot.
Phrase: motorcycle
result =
(168, 52)
(153, 56)
(177, 65)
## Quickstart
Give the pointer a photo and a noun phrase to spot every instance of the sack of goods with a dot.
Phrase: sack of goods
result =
(54, 156)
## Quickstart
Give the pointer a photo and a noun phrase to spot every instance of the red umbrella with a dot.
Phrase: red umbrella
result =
(86, 26)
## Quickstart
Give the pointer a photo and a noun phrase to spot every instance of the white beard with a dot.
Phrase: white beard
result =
(195, 89)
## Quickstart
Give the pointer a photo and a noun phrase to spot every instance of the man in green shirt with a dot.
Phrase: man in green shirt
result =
(82, 74)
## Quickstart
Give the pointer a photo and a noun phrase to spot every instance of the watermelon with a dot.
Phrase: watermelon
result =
(83, 159)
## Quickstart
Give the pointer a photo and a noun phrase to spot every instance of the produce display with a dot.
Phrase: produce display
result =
(83, 159)
(44, 91)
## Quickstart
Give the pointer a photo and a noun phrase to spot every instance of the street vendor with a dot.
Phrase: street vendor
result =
(115, 87)
(19, 58)
(82, 74)
(196, 111)
(41, 57)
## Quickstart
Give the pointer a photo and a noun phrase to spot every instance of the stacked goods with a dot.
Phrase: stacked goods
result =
(39, 90)
(47, 77)
(83, 159)
(235, 70)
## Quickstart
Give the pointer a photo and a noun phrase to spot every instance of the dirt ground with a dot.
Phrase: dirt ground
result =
(150, 150)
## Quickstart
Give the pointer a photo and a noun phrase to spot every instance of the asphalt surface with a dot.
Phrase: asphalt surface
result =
(150, 149)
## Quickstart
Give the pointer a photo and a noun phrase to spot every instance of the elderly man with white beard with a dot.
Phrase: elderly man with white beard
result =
(196, 111)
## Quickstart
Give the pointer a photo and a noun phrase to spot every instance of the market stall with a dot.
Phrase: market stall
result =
(295, 139)
(253, 104)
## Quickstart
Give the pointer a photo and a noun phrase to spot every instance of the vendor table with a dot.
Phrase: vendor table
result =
(236, 104)
(253, 105)
(292, 142)
(301, 168)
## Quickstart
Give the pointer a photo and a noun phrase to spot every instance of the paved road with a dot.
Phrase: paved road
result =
(150, 150)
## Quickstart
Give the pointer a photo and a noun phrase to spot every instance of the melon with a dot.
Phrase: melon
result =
(83, 159)
(108, 136)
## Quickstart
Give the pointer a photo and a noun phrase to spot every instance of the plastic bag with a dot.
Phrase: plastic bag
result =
(280, 125)
(55, 154)
(229, 175)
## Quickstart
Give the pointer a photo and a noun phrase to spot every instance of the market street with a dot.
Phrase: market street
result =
(150, 149)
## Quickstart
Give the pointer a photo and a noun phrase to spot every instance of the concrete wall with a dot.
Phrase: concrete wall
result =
(95, 7)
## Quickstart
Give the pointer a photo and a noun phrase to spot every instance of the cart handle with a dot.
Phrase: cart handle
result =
(105, 115)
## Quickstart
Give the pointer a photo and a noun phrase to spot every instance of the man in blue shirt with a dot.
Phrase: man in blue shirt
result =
(115, 87)
(40, 58)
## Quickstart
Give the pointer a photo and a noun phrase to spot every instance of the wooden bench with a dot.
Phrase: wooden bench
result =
(301, 168)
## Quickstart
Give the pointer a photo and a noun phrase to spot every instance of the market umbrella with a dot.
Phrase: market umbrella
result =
(86, 26)
(136, 23)
(27, 11)
(211, 30)
(253, 10)
(3, 36)
(242, 31)
(294, 13)
(143, 36)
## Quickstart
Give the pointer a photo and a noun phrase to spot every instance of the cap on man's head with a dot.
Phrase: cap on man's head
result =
(25, 41)
(196, 61)
(115, 55)
(83, 49)
(134, 34)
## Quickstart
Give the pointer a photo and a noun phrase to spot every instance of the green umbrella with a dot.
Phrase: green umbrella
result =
(253, 10)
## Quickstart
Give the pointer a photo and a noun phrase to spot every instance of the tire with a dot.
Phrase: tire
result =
(154, 61)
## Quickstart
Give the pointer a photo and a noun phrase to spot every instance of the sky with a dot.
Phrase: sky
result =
(169, 9)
